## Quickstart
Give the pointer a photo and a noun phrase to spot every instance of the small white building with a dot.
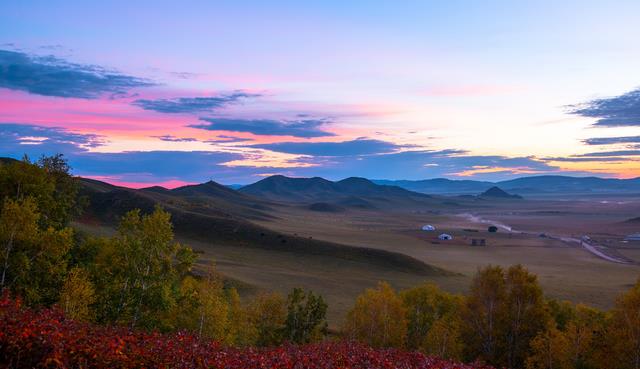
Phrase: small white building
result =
(445, 237)
(428, 228)
(633, 237)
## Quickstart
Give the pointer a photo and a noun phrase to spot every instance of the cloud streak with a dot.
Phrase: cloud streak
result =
(51, 76)
(617, 111)
(305, 128)
(19, 139)
(170, 138)
(183, 105)
(611, 140)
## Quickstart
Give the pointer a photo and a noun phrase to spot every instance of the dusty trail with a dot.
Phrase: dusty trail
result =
(588, 244)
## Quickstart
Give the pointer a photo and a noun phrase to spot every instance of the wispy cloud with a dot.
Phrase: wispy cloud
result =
(355, 147)
(617, 111)
(611, 153)
(611, 140)
(306, 128)
(34, 140)
(51, 76)
(192, 104)
(170, 138)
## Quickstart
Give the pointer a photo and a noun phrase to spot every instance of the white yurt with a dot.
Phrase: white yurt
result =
(445, 237)
(428, 228)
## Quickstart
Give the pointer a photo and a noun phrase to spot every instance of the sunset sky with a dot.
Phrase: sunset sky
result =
(167, 92)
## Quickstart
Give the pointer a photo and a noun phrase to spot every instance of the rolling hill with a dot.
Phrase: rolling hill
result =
(351, 192)
(210, 212)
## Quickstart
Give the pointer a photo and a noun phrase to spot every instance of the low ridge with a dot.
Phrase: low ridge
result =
(353, 190)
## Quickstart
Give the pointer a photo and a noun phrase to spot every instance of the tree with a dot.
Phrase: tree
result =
(562, 312)
(66, 202)
(138, 271)
(77, 295)
(524, 315)
(583, 334)
(484, 306)
(623, 331)
(267, 313)
(306, 317)
(378, 318)
(444, 338)
(504, 312)
(18, 229)
(50, 185)
(34, 260)
(213, 312)
(240, 331)
(549, 350)
(425, 305)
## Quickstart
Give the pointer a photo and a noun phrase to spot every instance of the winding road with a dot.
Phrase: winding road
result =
(587, 245)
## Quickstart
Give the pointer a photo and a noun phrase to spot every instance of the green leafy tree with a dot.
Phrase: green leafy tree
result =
(18, 230)
(48, 182)
(139, 270)
(66, 202)
(34, 260)
(306, 317)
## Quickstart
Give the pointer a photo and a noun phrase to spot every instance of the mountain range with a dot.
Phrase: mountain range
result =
(351, 192)
(547, 185)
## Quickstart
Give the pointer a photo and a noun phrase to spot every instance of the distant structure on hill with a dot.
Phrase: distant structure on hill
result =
(428, 228)
(498, 193)
(492, 229)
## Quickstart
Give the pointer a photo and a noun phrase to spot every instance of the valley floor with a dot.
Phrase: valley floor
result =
(566, 270)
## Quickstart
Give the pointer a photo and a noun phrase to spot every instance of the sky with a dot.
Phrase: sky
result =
(142, 93)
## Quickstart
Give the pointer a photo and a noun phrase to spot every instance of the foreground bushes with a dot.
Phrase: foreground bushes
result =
(45, 338)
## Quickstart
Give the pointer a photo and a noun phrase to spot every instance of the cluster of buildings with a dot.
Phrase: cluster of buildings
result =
(448, 237)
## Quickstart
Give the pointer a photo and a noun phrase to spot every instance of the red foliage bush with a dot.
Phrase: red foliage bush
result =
(45, 339)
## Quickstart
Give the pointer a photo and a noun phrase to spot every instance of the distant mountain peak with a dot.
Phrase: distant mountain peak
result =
(497, 192)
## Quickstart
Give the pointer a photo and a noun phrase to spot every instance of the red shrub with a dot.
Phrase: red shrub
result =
(44, 338)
